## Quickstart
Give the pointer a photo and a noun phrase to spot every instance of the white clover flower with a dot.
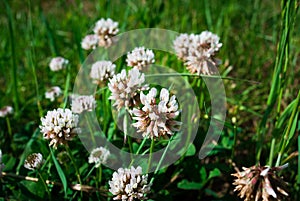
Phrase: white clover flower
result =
(83, 103)
(129, 184)
(140, 57)
(53, 92)
(33, 161)
(157, 119)
(58, 63)
(6, 110)
(202, 51)
(2, 166)
(181, 46)
(90, 42)
(59, 126)
(99, 156)
(125, 88)
(106, 29)
(101, 71)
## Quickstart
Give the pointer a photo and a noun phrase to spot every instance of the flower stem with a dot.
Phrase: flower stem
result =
(74, 164)
(150, 155)
(45, 185)
(67, 85)
(9, 128)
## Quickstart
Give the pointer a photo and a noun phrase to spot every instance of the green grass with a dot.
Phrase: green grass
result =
(260, 71)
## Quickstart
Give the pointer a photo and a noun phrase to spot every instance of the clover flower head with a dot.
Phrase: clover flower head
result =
(80, 104)
(53, 92)
(140, 57)
(129, 184)
(106, 29)
(58, 63)
(201, 53)
(34, 161)
(181, 46)
(59, 126)
(90, 42)
(157, 118)
(99, 156)
(260, 183)
(6, 110)
(125, 88)
(101, 71)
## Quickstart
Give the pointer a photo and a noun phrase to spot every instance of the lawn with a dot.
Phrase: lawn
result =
(95, 105)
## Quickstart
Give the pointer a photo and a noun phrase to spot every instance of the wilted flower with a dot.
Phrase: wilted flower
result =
(202, 50)
(99, 156)
(156, 119)
(52, 93)
(59, 126)
(181, 46)
(2, 166)
(105, 29)
(58, 63)
(129, 184)
(140, 57)
(125, 88)
(6, 110)
(83, 103)
(90, 42)
(34, 161)
(101, 71)
(260, 183)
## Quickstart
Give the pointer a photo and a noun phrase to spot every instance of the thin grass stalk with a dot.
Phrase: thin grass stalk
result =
(13, 59)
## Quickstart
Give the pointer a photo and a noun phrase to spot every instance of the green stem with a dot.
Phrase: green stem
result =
(287, 131)
(74, 164)
(13, 59)
(67, 85)
(9, 128)
(45, 185)
(272, 152)
(150, 155)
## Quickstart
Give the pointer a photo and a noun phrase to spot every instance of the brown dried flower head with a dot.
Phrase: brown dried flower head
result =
(260, 183)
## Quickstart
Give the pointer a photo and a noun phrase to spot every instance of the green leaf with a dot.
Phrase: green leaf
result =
(191, 150)
(189, 185)
(60, 172)
(214, 173)
(34, 190)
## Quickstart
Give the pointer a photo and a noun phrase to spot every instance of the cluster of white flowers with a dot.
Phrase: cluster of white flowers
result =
(59, 126)
(101, 71)
(104, 31)
(198, 51)
(58, 63)
(90, 42)
(125, 88)
(129, 184)
(99, 156)
(157, 119)
(34, 161)
(2, 166)
(53, 92)
(83, 103)
(140, 57)
(6, 110)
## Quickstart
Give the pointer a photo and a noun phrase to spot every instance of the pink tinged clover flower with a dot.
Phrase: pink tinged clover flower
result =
(140, 58)
(129, 184)
(99, 156)
(106, 29)
(59, 126)
(58, 63)
(33, 161)
(157, 119)
(101, 71)
(125, 88)
(53, 92)
(90, 42)
(6, 110)
(80, 104)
